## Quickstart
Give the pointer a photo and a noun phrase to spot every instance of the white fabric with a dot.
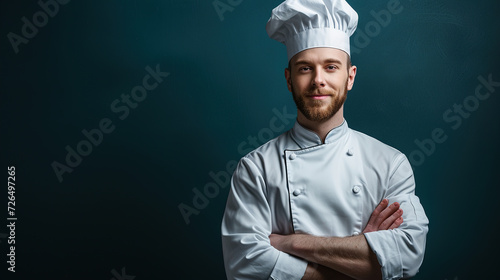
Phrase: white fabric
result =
(295, 184)
(302, 25)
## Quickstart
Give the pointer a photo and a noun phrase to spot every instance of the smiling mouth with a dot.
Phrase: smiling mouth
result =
(318, 97)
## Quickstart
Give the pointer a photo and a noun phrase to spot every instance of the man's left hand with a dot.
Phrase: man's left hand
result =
(385, 217)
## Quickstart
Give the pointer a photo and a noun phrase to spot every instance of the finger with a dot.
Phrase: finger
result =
(372, 224)
(396, 223)
(380, 207)
(391, 219)
(387, 212)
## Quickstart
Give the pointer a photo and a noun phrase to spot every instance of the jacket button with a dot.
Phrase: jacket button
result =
(292, 156)
(297, 192)
(356, 189)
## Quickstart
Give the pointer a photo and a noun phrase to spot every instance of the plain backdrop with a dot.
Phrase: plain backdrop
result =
(117, 212)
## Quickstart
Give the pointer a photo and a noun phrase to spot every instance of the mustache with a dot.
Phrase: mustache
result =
(319, 91)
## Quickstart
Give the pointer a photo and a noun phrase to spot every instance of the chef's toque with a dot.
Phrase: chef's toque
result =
(305, 24)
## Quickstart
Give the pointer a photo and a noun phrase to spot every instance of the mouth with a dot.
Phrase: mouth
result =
(318, 96)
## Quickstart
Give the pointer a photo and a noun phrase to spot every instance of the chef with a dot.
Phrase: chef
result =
(322, 201)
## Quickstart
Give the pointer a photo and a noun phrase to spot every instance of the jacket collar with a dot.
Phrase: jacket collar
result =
(306, 138)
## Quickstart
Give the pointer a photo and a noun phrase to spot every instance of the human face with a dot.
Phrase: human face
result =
(319, 79)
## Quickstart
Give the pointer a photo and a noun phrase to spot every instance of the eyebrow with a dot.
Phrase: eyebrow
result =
(329, 60)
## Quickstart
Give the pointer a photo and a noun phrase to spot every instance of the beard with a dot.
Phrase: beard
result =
(319, 110)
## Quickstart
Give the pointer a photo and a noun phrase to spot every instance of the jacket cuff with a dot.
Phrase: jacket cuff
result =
(288, 267)
(385, 247)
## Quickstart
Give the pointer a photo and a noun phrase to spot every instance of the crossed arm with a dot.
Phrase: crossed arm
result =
(341, 257)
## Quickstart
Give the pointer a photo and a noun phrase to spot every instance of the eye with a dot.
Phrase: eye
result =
(305, 69)
(332, 67)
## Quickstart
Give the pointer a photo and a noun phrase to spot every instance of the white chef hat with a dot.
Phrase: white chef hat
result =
(305, 24)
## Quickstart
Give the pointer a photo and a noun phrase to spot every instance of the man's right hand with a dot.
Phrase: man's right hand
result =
(384, 217)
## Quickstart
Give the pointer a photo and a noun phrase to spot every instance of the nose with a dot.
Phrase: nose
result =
(318, 79)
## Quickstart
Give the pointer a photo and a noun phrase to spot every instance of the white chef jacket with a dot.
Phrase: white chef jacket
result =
(296, 184)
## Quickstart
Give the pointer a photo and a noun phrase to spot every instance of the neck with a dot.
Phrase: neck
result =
(322, 128)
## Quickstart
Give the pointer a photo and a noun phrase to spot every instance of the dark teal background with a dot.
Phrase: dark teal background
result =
(119, 207)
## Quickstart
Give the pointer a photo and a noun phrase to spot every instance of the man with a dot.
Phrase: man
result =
(313, 202)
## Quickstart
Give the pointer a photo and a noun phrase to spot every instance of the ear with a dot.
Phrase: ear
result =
(352, 75)
(288, 79)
